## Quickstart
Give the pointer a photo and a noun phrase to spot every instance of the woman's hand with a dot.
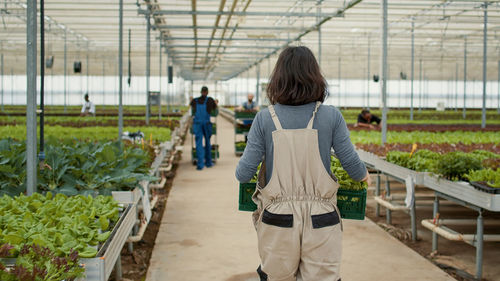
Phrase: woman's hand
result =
(367, 179)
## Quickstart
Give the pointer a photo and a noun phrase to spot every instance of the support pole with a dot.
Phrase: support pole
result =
(456, 87)
(168, 85)
(248, 81)
(464, 111)
(377, 193)
(498, 85)
(88, 66)
(368, 74)
(383, 65)
(3, 84)
(148, 62)
(412, 65)
(435, 212)
(485, 63)
(479, 246)
(257, 86)
(420, 87)
(31, 69)
(65, 69)
(103, 82)
(41, 154)
(319, 33)
(340, 77)
(120, 72)
(159, 92)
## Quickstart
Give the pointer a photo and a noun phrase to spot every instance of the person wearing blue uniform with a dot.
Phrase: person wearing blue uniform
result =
(202, 127)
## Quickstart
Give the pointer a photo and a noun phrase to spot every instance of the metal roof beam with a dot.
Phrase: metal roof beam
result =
(243, 14)
(235, 46)
(226, 39)
(340, 12)
(273, 28)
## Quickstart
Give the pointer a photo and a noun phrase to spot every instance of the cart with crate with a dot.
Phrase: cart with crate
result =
(242, 123)
(213, 140)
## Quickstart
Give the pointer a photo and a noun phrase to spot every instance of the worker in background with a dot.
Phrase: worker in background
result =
(249, 105)
(365, 120)
(88, 108)
(299, 229)
(202, 127)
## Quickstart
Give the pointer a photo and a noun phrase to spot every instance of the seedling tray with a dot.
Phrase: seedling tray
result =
(100, 267)
(481, 185)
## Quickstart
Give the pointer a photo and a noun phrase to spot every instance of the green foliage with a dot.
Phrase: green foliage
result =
(60, 223)
(489, 176)
(12, 167)
(74, 167)
(452, 165)
(422, 160)
(240, 145)
(455, 165)
(256, 176)
(366, 137)
(36, 263)
(400, 158)
(345, 181)
(87, 133)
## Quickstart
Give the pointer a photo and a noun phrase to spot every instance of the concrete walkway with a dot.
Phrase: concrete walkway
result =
(203, 236)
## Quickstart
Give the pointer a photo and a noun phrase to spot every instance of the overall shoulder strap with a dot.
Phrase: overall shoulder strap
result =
(310, 124)
(275, 118)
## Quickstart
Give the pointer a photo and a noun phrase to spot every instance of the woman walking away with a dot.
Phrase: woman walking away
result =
(297, 220)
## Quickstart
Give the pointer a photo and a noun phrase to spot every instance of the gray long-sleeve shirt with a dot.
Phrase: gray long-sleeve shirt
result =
(332, 133)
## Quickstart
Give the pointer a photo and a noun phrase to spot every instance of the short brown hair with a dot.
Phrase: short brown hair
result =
(296, 78)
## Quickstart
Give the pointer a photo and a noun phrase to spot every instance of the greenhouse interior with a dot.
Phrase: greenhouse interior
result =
(246, 140)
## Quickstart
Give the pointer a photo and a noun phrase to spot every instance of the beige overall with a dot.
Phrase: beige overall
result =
(297, 221)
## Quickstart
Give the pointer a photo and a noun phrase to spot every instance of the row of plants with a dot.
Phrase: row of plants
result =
(47, 235)
(382, 150)
(74, 167)
(107, 109)
(425, 114)
(476, 166)
(151, 134)
(451, 137)
(91, 122)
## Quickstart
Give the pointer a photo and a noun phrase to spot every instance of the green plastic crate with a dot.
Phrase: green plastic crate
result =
(352, 204)
(245, 114)
(239, 149)
(245, 200)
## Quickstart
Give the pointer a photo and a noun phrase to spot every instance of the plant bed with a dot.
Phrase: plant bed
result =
(96, 228)
(135, 264)
(435, 147)
(483, 186)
